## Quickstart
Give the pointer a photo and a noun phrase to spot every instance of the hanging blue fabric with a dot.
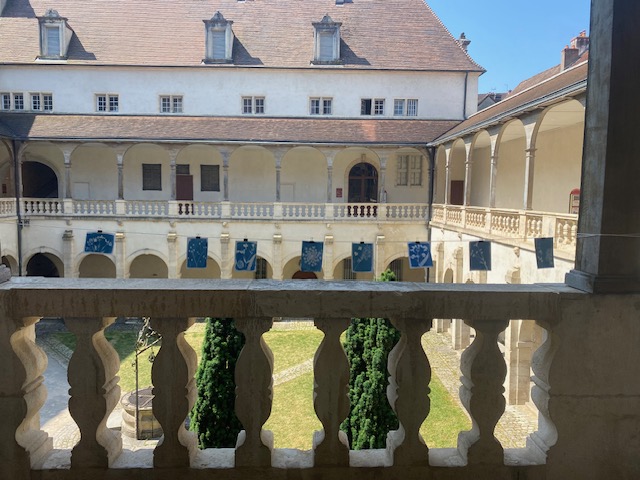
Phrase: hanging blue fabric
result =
(99, 242)
(362, 257)
(197, 249)
(544, 252)
(480, 255)
(420, 255)
(311, 260)
(246, 255)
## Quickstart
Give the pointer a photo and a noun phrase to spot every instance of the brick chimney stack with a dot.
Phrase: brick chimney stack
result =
(571, 53)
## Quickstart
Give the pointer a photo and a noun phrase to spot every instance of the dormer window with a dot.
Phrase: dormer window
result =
(55, 35)
(327, 42)
(219, 34)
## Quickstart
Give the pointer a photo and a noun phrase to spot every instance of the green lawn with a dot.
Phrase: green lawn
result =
(293, 418)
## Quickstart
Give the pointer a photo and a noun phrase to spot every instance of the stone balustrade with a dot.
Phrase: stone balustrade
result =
(520, 225)
(89, 306)
(218, 210)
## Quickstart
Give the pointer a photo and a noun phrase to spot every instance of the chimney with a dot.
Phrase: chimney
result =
(464, 43)
(571, 53)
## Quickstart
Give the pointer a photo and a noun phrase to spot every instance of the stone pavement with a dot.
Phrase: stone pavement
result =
(516, 423)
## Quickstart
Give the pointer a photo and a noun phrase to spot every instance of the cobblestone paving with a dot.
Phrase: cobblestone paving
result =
(517, 422)
(512, 430)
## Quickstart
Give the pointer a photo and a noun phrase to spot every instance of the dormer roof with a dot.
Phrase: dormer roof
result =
(376, 34)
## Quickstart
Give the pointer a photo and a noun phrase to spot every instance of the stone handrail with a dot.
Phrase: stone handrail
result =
(524, 225)
(88, 307)
(219, 210)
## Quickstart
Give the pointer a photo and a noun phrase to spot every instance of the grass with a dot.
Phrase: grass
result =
(293, 419)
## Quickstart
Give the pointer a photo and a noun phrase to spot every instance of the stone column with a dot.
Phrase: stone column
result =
(379, 256)
(328, 257)
(529, 168)
(67, 151)
(447, 179)
(278, 155)
(330, 157)
(226, 260)
(226, 155)
(121, 256)
(172, 244)
(608, 245)
(68, 254)
(468, 165)
(120, 161)
(276, 268)
(492, 181)
(383, 178)
(173, 155)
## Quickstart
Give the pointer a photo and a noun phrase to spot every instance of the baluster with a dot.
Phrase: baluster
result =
(22, 395)
(408, 393)
(482, 393)
(331, 394)
(254, 394)
(565, 233)
(174, 392)
(541, 440)
(94, 392)
(574, 232)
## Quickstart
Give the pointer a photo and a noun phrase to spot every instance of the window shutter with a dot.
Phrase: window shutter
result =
(219, 44)
(326, 46)
(53, 41)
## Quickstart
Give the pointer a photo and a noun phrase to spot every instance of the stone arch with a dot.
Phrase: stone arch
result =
(96, 265)
(11, 263)
(94, 172)
(134, 158)
(341, 269)
(204, 162)
(510, 181)
(42, 167)
(292, 267)
(303, 176)
(212, 270)
(7, 181)
(447, 277)
(45, 264)
(148, 264)
(441, 175)
(480, 183)
(401, 265)
(264, 269)
(344, 161)
(557, 142)
(252, 175)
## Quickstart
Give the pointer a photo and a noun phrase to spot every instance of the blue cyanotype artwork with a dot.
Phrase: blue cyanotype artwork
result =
(544, 252)
(420, 255)
(480, 255)
(99, 242)
(197, 252)
(362, 257)
(246, 255)
(311, 260)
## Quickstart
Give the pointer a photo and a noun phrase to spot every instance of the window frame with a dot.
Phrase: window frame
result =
(152, 184)
(215, 183)
(409, 170)
(409, 107)
(5, 101)
(109, 99)
(323, 106)
(372, 106)
(15, 97)
(253, 105)
(174, 103)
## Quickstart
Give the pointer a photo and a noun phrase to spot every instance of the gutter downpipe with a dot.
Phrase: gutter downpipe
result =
(17, 175)
(431, 151)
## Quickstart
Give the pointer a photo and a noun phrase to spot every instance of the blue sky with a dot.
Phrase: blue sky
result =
(513, 39)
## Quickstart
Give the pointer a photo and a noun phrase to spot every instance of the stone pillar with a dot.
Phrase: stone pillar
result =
(447, 185)
(278, 181)
(382, 197)
(173, 155)
(120, 163)
(121, 256)
(492, 181)
(330, 157)
(460, 334)
(226, 260)
(608, 245)
(68, 254)
(328, 257)
(379, 256)
(278, 155)
(172, 246)
(67, 151)
(468, 165)
(226, 155)
(529, 168)
(276, 268)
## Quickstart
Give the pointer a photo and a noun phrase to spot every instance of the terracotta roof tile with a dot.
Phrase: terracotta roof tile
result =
(378, 34)
(544, 88)
(225, 129)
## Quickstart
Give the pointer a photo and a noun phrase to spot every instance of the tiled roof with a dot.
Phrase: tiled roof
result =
(376, 34)
(225, 129)
(543, 89)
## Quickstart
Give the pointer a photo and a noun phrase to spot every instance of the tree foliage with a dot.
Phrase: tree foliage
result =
(213, 416)
(367, 344)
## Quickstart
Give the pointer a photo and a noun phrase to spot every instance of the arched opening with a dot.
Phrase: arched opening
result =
(344, 271)
(480, 191)
(441, 176)
(400, 267)
(252, 175)
(300, 275)
(96, 266)
(44, 265)
(457, 160)
(263, 271)
(148, 266)
(10, 263)
(363, 183)
(38, 181)
(211, 271)
(303, 176)
(510, 179)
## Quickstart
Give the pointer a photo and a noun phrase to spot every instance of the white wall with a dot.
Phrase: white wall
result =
(218, 91)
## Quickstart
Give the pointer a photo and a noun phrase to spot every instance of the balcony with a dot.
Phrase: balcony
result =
(572, 320)
(54, 207)
(510, 226)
